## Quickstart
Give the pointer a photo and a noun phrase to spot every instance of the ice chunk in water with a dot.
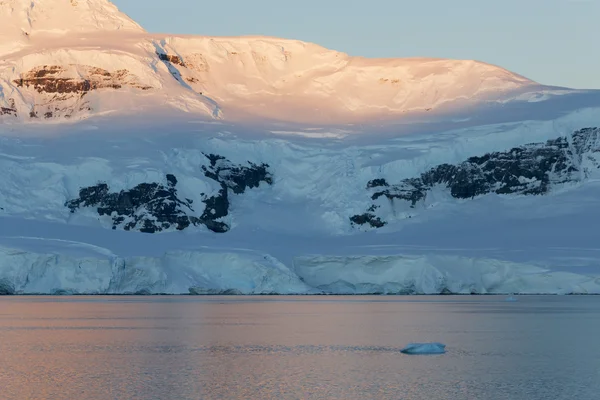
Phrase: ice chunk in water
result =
(424, 348)
(511, 299)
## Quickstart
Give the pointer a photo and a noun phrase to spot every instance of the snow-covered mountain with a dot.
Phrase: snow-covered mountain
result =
(64, 59)
(142, 163)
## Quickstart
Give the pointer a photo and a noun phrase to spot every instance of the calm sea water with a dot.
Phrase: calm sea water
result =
(298, 348)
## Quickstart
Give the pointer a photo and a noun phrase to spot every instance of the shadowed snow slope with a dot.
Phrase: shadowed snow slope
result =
(141, 163)
(115, 207)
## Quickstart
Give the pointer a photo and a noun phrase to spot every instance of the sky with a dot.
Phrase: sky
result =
(554, 42)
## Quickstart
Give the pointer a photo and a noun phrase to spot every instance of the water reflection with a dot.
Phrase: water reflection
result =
(297, 348)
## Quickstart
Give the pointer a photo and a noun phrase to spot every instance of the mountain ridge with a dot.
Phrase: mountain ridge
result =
(141, 163)
(236, 78)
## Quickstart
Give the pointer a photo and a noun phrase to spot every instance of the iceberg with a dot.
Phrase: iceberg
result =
(424, 348)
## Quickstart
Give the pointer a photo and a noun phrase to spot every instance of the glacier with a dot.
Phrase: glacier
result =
(293, 236)
(222, 271)
(140, 163)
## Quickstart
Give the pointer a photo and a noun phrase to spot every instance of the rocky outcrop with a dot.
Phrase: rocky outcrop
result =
(526, 170)
(148, 207)
(237, 177)
(154, 207)
(10, 109)
(60, 80)
(62, 89)
(368, 218)
(171, 58)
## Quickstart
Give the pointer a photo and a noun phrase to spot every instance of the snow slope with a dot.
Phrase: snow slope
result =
(143, 163)
(26, 20)
(58, 54)
(294, 235)
(41, 17)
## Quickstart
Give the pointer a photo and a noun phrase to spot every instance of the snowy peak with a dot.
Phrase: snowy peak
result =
(73, 59)
(33, 17)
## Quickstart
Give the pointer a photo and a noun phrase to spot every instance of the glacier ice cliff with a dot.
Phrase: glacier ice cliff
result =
(246, 272)
(174, 273)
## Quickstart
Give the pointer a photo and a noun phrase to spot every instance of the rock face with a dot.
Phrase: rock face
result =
(10, 109)
(368, 218)
(154, 207)
(527, 170)
(64, 88)
(60, 80)
(171, 58)
(237, 177)
(148, 207)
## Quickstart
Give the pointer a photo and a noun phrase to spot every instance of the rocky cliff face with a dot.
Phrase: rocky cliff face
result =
(9, 109)
(154, 207)
(58, 79)
(61, 90)
(533, 169)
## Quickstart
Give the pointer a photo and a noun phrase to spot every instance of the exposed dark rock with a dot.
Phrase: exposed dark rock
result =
(368, 218)
(229, 176)
(56, 79)
(148, 207)
(377, 183)
(171, 58)
(65, 87)
(411, 190)
(154, 207)
(216, 207)
(214, 159)
(172, 180)
(237, 177)
(10, 110)
(526, 170)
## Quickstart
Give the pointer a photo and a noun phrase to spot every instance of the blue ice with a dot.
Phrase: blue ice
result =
(424, 348)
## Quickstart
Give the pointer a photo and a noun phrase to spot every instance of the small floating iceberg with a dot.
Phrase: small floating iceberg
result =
(511, 299)
(424, 348)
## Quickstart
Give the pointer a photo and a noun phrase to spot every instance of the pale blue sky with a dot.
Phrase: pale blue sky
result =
(554, 42)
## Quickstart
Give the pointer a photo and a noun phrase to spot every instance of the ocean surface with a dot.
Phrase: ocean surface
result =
(545, 347)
